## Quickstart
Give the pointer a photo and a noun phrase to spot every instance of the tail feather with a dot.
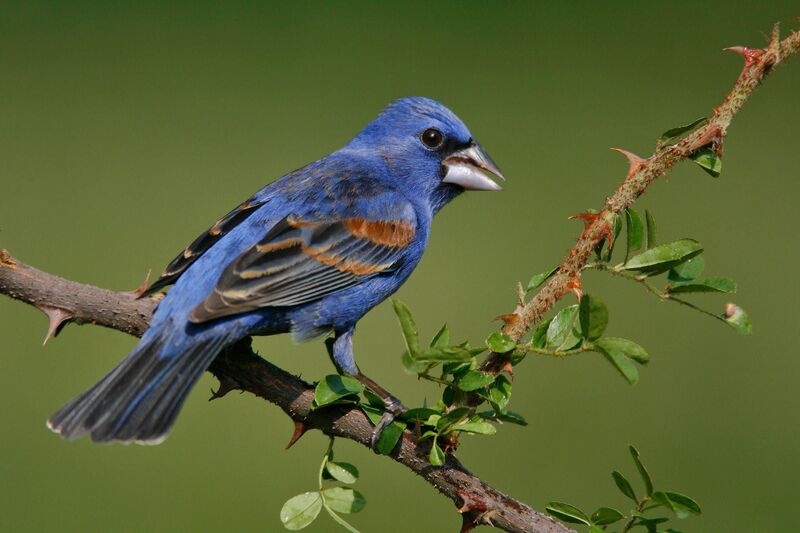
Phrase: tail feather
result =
(138, 400)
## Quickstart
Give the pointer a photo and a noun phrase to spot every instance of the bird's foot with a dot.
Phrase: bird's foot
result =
(393, 409)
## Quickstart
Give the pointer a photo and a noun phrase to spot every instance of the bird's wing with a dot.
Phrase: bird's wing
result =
(300, 260)
(202, 243)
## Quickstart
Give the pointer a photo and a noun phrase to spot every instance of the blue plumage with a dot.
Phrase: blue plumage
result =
(309, 254)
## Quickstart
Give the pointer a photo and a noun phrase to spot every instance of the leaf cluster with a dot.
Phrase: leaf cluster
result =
(640, 516)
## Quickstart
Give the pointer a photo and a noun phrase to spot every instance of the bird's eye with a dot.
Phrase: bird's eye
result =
(432, 138)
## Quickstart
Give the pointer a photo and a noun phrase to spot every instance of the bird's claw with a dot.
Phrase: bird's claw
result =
(393, 409)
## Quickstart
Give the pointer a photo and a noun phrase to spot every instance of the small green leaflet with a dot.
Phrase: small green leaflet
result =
(687, 271)
(344, 472)
(707, 159)
(648, 482)
(672, 135)
(705, 285)
(437, 457)
(593, 316)
(635, 229)
(500, 343)
(407, 325)
(562, 332)
(624, 485)
(335, 388)
(540, 278)
(605, 516)
(651, 228)
(567, 513)
(663, 257)
(301, 510)
(344, 499)
(475, 379)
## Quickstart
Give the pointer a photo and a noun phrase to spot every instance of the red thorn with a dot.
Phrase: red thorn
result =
(57, 317)
(635, 161)
(226, 384)
(574, 284)
(300, 429)
(138, 291)
(508, 319)
(591, 218)
(750, 55)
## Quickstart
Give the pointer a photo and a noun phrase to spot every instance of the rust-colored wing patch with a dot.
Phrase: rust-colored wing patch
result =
(300, 261)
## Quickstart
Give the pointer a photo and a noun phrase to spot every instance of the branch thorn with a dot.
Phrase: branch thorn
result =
(300, 429)
(57, 318)
(634, 160)
(591, 218)
(226, 384)
(750, 55)
(138, 291)
(574, 284)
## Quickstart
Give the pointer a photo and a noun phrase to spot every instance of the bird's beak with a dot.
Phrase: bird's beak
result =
(468, 167)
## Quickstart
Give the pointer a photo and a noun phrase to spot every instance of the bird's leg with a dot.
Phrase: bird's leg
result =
(340, 349)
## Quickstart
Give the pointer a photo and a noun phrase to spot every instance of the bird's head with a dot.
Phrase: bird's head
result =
(428, 150)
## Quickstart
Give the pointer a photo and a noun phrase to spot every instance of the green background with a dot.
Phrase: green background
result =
(125, 131)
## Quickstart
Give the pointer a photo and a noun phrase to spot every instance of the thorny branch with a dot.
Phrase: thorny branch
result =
(240, 368)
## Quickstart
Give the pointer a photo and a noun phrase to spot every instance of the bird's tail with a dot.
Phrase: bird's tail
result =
(138, 400)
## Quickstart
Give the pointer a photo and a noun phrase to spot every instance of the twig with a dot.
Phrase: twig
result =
(240, 368)
(642, 173)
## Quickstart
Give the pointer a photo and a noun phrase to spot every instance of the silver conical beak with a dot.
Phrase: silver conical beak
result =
(469, 167)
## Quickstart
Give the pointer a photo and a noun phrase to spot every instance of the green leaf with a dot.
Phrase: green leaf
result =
(344, 499)
(651, 228)
(476, 425)
(596, 529)
(475, 379)
(437, 457)
(449, 419)
(635, 230)
(682, 505)
(561, 333)
(500, 392)
(301, 510)
(705, 285)
(616, 228)
(683, 502)
(442, 338)
(593, 316)
(707, 159)
(539, 336)
(624, 486)
(500, 343)
(344, 472)
(672, 135)
(567, 513)
(407, 325)
(626, 347)
(738, 319)
(514, 418)
(333, 388)
(606, 515)
(663, 257)
(618, 358)
(540, 278)
(688, 270)
(444, 354)
(648, 482)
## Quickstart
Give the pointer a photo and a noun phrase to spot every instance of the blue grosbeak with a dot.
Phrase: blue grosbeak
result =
(309, 254)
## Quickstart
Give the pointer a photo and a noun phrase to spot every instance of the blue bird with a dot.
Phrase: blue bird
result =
(309, 254)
